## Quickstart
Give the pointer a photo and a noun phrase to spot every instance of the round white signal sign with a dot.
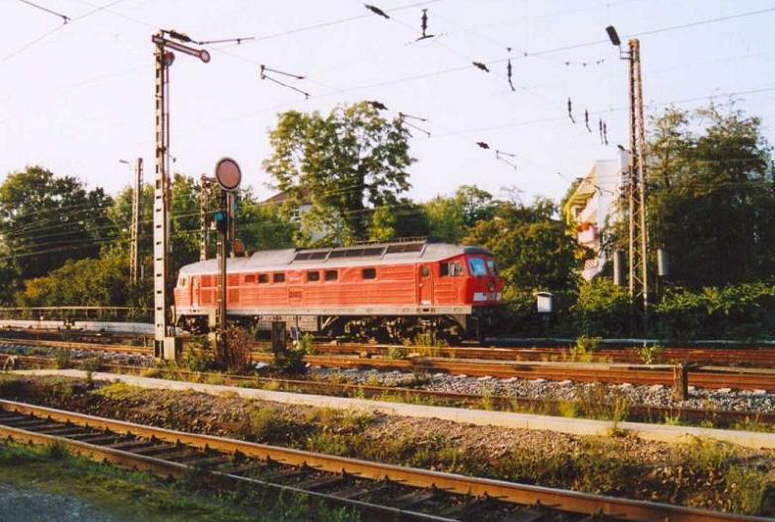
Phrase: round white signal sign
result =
(228, 174)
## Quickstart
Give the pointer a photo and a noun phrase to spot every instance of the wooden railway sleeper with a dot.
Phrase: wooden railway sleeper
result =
(414, 498)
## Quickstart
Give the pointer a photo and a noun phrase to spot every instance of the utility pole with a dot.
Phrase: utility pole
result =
(638, 234)
(137, 198)
(165, 342)
(634, 186)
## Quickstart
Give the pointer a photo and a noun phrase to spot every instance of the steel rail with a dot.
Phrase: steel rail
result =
(523, 494)
(544, 406)
(750, 356)
(706, 377)
(762, 356)
(171, 468)
(71, 345)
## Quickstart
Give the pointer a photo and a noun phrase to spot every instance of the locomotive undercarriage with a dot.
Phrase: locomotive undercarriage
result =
(386, 329)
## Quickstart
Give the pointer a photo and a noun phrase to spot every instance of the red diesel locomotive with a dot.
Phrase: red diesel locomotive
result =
(388, 291)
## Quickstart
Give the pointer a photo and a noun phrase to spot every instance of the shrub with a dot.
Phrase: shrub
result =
(197, 356)
(307, 344)
(233, 354)
(745, 311)
(290, 361)
(602, 308)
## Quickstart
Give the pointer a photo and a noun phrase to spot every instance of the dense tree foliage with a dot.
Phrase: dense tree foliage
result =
(531, 244)
(345, 164)
(46, 220)
(87, 282)
(450, 217)
(712, 196)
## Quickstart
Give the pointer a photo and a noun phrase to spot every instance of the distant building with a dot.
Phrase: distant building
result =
(592, 207)
(281, 197)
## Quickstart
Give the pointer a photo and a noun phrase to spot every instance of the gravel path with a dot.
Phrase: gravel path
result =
(657, 395)
(25, 503)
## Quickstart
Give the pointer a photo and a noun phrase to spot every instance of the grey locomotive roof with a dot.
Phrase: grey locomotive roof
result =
(284, 259)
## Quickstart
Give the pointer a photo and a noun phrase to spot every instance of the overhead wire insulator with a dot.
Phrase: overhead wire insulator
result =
(424, 26)
(480, 65)
(570, 112)
(509, 70)
(376, 10)
(600, 130)
(483, 145)
(586, 120)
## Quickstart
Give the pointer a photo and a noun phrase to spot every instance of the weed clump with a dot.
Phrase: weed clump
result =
(197, 355)
(584, 348)
(397, 353)
(265, 425)
(653, 354)
(118, 391)
(63, 359)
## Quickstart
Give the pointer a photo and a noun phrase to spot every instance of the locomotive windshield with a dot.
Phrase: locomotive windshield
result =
(477, 267)
(492, 267)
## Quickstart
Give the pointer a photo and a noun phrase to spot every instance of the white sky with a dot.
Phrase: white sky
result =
(81, 98)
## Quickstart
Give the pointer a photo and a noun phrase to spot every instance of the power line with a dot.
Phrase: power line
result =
(65, 18)
(52, 31)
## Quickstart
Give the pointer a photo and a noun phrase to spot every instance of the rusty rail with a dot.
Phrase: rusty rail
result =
(542, 406)
(12, 426)
(706, 377)
(749, 356)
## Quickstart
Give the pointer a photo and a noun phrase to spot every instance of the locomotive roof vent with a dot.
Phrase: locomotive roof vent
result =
(369, 250)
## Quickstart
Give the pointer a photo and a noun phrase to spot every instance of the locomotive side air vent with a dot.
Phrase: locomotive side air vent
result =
(402, 248)
(357, 252)
(310, 256)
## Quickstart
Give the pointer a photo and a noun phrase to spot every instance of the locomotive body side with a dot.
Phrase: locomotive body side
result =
(385, 288)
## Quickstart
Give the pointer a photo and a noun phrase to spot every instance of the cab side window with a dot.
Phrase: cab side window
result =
(451, 268)
(477, 267)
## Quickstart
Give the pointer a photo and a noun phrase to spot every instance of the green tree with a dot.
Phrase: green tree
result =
(445, 218)
(450, 217)
(86, 282)
(262, 226)
(344, 164)
(712, 196)
(46, 220)
(531, 244)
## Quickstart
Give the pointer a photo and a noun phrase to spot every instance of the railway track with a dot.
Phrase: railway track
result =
(387, 491)
(762, 357)
(753, 356)
(506, 403)
(704, 377)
